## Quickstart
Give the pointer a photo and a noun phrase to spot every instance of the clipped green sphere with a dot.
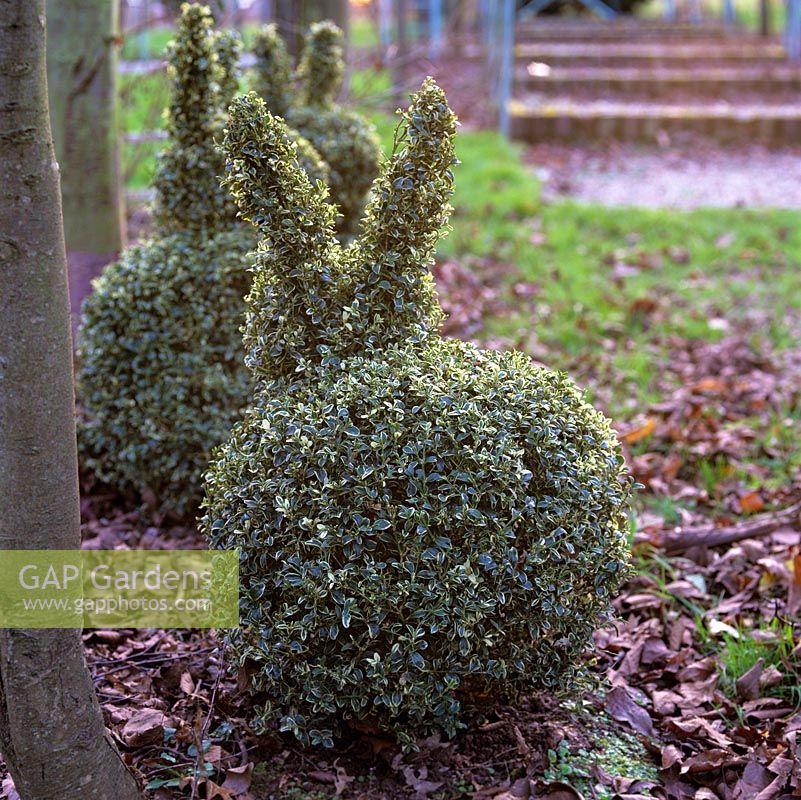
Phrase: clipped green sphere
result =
(415, 530)
(161, 377)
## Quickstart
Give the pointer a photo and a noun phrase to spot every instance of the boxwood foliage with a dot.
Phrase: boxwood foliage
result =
(188, 195)
(204, 77)
(420, 522)
(313, 300)
(160, 375)
(228, 47)
(343, 138)
(272, 77)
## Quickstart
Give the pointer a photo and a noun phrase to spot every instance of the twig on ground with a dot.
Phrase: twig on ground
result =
(681, 539)
(207, 722)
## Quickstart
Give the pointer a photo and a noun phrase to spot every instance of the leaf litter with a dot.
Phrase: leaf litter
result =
(700, 665)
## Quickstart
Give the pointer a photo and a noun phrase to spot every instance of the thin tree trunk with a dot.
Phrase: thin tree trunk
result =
(289, 19)
(51, 729)
(82, 75)
(764, 17)
(338, 11)
(401, 54)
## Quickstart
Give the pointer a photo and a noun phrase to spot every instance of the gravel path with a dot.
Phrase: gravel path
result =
(687, 177)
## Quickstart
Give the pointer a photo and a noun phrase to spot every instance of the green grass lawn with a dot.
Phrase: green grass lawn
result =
(746, 12)
(146, 44)
(612, 295)
(602, 273)
(143, 99)
(597, 275)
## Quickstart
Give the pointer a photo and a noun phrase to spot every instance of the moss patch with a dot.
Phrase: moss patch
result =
(599, 748)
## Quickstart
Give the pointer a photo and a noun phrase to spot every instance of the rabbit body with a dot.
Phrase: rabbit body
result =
(421, 523)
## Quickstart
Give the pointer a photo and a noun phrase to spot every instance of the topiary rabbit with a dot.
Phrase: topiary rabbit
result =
(188, 195)
(344, 140)
(272, 77)
(160, 376)
(420, 522)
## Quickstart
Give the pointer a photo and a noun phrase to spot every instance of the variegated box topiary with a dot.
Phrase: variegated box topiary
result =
(420, 522)
(161, 378)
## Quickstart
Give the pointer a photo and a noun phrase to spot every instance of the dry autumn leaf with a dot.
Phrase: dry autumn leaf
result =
(642, 432)
(751, 502)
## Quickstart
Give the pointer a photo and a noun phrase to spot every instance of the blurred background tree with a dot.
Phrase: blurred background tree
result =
(174, 6)
(83, 40)
(294, 17)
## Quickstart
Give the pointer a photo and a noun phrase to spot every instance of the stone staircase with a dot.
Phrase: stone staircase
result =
(645, 80)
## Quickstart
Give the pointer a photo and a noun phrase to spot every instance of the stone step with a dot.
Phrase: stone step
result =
(780, 81)
(603, 121)
(542, 30)
(651, 54)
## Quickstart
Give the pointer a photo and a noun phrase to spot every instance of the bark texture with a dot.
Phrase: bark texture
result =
(82, 74)
(51, 729)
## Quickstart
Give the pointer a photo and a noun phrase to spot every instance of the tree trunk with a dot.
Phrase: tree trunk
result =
(401, 54)
(764, 17)
(289, 19)
(335, 10)
(82, 48)
(51, 729)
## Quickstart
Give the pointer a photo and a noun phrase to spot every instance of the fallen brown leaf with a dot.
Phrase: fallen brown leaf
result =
(748, 684)
(238, 779)
(642, 432)
(144, 727)
(623, 708)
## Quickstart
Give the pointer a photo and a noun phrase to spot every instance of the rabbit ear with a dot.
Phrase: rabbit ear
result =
(193, 71)
(292, 306)
(228, 46)
(273, 70)
(184, 181)
(409, 203)
(322, 66)
(271, 190)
